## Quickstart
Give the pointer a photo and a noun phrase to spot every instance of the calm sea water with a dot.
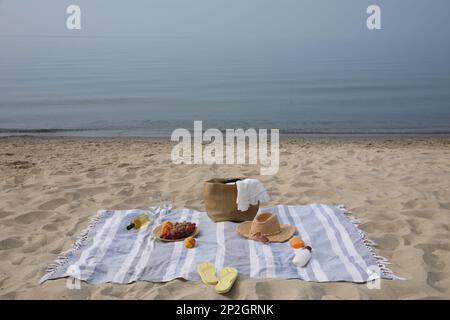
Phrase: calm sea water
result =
(148, 87)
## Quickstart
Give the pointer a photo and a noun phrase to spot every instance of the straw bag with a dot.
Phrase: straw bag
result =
(220, 201)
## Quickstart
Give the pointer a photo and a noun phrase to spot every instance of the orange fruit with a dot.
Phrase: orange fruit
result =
(168, 224)
(189, 242)
(297, 243)
(165, 228)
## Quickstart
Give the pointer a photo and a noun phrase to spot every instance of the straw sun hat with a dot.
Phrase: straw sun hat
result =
(266, 224)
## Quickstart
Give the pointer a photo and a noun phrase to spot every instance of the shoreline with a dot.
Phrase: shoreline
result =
(283, 137)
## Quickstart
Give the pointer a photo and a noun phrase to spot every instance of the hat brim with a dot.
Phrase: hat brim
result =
(287, 231)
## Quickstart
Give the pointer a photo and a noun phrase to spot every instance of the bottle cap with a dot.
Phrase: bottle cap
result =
(130, 226)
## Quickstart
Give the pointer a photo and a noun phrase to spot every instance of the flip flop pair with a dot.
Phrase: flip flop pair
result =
(228, 276)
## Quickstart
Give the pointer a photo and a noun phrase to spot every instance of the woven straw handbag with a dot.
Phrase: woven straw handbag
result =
(220, 201)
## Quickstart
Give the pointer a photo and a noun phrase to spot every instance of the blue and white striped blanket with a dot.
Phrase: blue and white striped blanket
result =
(107, 252)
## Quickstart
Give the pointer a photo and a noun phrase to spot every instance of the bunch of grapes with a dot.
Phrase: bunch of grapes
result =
(180, 230)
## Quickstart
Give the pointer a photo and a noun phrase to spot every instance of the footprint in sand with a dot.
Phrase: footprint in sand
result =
(93, 175)
(35, 243)
(11, 243)
(433, 260)
(52, 204)
(302, 185)
(17, 261)
(32, 216)
(331, 163)
(307, 173)
(128, 176)
(439, 281)
(123, 165)
(50, 227)
(4, 214)
(388, 241)
(91, 191)
(321, 194)
(60, 173)
(126, 192)
(444, 205)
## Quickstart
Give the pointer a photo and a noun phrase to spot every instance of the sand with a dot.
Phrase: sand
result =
(400, 188)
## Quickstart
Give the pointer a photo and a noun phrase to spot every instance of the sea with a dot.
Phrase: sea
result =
(147, 87)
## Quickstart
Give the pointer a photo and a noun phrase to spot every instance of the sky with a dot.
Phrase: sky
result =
(417, 28)
(324, 20)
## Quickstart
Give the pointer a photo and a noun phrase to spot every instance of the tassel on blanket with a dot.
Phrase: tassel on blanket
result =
(62, 259)
(382, 262)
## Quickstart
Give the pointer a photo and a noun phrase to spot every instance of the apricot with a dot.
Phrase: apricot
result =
(189, 242)
(297, 243)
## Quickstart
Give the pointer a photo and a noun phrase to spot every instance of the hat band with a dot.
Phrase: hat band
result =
(266, 234)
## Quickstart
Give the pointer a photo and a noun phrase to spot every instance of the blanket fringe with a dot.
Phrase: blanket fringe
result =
(382, 262)
(64, 257)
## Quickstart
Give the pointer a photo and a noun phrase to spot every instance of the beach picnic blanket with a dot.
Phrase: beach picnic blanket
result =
(108, 252)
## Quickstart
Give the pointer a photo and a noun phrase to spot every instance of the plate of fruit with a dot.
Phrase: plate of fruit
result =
(175, 231)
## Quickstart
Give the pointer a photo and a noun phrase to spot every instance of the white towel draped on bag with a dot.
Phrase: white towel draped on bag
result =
(249, 192)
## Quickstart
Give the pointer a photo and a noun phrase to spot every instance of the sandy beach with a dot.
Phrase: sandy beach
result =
(51, 187)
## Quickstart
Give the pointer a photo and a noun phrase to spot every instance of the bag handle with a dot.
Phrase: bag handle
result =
(224, 181)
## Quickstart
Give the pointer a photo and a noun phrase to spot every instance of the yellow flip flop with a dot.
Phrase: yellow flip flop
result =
(207, 272)
(228, 276)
